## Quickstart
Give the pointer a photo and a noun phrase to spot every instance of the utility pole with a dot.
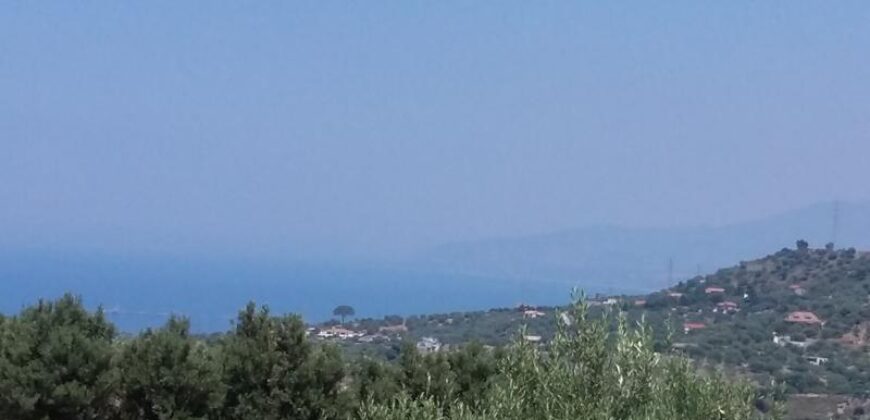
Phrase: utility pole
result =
(835, 223)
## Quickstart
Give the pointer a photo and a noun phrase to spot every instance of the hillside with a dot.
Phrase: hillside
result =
(800, 317)
(636, 259)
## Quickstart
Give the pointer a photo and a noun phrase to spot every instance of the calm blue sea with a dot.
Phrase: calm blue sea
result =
(138, 293)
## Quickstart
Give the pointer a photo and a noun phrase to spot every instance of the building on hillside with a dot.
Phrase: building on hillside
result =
(428, 345)
(782, 340)
(675, 295)
(857, 337)
(394, 329)
(726, 307)
(803, 317)
(374, 338)
(816, 360)
(797, 289)
(533, 338)
(692, 326)
(338, 332)
(714, 290)
(640, 302)
(532, 314)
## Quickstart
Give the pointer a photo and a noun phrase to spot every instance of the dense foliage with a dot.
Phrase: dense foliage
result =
(167, 374)
(586, 372)
(56, 363)
(60, 361)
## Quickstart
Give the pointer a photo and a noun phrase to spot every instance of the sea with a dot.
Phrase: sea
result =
(138, 293)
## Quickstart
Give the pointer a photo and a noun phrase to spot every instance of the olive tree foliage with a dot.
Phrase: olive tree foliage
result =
(589, 371)
(272, 372)
(56, 363)
(463, 375)
(166, 374)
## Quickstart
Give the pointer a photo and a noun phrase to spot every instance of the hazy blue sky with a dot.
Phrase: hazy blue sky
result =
(273, 128)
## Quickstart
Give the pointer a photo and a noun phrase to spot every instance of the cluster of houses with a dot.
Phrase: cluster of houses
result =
(384, 333)
(429, 345)
(606, 302)
(339, 332)
(724, 307)
(730, 307)
(531, 312)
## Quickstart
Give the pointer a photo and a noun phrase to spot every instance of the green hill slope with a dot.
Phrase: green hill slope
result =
(799, 317)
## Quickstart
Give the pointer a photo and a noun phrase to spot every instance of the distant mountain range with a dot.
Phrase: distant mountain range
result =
(638, 259)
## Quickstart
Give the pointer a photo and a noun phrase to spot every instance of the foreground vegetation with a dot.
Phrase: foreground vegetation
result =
(59, 361)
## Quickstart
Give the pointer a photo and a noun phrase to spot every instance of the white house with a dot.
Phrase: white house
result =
(428, 345)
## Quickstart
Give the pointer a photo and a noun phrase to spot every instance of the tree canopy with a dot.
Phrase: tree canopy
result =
(60, 361)
(343, 311)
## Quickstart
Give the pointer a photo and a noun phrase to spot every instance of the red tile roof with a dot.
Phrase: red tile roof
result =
(803, 317)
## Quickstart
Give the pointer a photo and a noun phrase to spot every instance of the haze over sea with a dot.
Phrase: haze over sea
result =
(138, 293)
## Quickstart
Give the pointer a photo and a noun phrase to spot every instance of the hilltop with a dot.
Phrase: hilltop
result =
(798, 316)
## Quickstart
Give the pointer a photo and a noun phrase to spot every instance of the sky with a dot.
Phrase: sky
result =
(325, 129)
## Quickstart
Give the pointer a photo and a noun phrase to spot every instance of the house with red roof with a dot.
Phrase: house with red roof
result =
(727, 307)
(692, 326)
(803, 317)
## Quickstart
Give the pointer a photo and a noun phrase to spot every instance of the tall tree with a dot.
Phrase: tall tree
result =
(272, 372)
(55, 363)
(343, 311)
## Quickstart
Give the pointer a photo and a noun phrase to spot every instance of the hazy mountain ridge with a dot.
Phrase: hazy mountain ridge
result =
(637, 258)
